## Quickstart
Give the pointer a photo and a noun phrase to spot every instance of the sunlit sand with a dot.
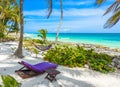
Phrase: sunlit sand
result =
(69, 77)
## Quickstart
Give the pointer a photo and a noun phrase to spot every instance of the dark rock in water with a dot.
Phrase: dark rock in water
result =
(118, 66)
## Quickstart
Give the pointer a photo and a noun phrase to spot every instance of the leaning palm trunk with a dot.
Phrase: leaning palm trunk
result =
(1, 13)
(18, 52)
(58, 31)
(60, 23)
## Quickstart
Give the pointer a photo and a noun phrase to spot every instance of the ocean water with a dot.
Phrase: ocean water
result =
(111, 40)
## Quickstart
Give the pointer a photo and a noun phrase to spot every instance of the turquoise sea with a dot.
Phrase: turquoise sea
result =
(106, 39)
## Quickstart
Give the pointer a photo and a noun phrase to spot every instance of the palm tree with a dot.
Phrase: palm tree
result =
(115, 7)
(18, 52)
(43, 34)
(9, 14)
(60, 23)
(9, 17)
(112, 21)
(61, 17)
(1, 36)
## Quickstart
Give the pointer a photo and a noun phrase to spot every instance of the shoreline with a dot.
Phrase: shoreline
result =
(113, 44)
(97, 48)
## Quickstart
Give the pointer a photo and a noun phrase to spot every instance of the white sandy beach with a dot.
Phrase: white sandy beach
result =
(69, 77)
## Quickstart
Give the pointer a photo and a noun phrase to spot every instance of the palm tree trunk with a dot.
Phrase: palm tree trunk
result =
(60, 23)
(58, 31)
(118, 0)
(18, 52)
(0, 40)
(8, 32)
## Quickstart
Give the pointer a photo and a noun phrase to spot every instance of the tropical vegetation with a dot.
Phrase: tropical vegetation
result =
(115, 8)
(9, 81)
(76, 56)
(43, 34)
(18, 52)
(1, 35)
(9, 18)
(12, 20)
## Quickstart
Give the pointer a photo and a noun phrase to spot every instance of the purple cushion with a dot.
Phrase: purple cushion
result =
(40, 67)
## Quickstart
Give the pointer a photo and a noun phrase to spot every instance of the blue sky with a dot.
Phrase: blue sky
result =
(80, 16)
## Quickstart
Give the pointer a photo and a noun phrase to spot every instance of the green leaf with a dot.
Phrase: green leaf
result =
(99, 2)
(9, 81)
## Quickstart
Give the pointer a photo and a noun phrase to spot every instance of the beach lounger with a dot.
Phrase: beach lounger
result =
(33, 70)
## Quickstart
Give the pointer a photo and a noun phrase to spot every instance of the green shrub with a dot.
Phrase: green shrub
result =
(9, 81)
(77, 57)
(1, 35)
(37, 41)
(10, 38)
(35, 51)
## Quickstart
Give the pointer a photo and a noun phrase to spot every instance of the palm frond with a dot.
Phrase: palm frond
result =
(40, 35)
(61, 7)
(112, 20)
(117, 9)
(113, 7)
(50, 7)
(1, 8)
(99, 2)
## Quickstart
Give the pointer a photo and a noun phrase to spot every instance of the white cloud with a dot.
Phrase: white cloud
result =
(68, 2)
(67, 26)
(83, 12)
(69, 12)
(90, 24)
(35, 13)
(79, 20)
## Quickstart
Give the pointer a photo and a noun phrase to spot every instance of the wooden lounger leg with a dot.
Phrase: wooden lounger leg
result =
(50, 77)
(20, 69)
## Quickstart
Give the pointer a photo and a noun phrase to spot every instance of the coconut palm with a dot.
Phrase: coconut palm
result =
(18, 52)
(43, 34)
(112, 21)
(1, 36)
(61, 17)
(60, 23)
(9, 17)
(115, 8)
(9, 14)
